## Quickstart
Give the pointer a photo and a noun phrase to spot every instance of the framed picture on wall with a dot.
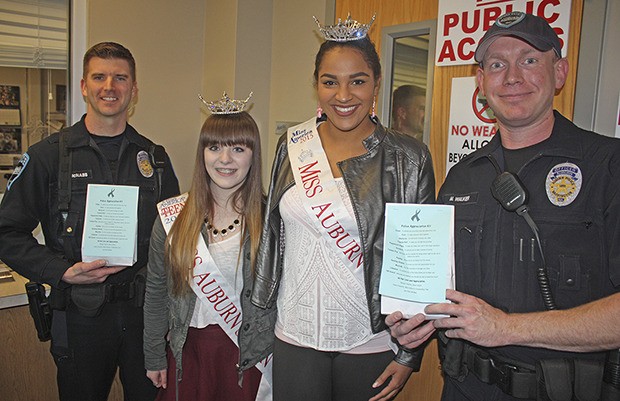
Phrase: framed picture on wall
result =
(9, 96)
(9, 105)
(10, 140)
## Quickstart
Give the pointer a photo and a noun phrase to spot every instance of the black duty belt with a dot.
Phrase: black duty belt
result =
(90, 299)
(551, 379)
(514, 378)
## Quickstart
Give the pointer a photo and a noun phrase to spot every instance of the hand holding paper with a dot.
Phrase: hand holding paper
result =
(473, 319)
(90, 272)
(409, 333)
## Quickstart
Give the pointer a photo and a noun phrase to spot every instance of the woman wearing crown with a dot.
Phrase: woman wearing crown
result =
(319, 262)
(202, 249)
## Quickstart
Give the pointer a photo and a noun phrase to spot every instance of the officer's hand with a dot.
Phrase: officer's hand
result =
(90, 272)
(472, 319)
(410, 333)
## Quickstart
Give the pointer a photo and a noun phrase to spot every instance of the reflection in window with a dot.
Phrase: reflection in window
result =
(408, 110)
(410, 63)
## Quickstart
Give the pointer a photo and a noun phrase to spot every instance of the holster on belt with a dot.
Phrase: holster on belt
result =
(451, 357)
(569, 379)
(40, 310)
(89, 299)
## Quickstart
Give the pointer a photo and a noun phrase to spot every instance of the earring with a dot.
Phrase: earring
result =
(319, 111)
(372, 114)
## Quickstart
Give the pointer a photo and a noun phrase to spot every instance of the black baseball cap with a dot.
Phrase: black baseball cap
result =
(531, 28)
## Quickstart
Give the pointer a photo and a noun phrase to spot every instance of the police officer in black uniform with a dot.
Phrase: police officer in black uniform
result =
(97, 321)
(537, 235)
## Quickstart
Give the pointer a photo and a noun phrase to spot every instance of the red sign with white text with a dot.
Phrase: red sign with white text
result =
(461, 24)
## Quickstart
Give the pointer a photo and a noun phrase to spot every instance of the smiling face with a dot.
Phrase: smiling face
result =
(227, 166)
(520, 82)
(346, 90)
(108, 88)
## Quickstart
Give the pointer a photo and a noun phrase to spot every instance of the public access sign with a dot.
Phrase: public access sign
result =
(461, 24)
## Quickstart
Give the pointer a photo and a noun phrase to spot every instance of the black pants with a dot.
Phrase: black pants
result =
(305, 374)
(88, 357)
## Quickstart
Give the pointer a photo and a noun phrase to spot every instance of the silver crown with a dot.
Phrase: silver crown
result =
(226, 105)
(345, 31)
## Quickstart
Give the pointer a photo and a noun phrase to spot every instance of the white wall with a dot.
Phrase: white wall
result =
(237, 57)
(295, 43)
(166, 39)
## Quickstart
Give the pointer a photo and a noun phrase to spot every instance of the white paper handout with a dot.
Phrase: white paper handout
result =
(418, 257)
(111, 224)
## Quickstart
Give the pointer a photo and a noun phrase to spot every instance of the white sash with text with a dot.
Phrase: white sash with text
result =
(319, 193)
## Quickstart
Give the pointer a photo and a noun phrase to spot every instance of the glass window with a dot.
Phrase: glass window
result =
(34, 58)
(407, 54)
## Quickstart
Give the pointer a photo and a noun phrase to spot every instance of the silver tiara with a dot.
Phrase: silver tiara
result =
(226, 105)
(345, 31)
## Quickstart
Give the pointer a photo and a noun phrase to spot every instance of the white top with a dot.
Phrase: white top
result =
(321, 303)
(225, 253)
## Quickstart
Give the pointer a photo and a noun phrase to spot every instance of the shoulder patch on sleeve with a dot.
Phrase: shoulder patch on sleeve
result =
(19, 169)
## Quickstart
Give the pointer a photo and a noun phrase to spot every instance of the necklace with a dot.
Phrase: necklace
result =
(222, 231)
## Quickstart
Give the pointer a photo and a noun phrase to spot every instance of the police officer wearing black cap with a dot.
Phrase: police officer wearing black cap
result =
(97, 322)
(537, 234)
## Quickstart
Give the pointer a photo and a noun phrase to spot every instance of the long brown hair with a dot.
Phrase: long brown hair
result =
(223, 130)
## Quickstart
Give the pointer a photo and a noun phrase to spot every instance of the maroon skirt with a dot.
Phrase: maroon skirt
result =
(209, 370)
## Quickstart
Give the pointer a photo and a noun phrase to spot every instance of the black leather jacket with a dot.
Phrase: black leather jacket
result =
(396, 168)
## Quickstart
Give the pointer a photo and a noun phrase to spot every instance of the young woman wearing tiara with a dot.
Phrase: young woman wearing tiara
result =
(202, 249)
(319, 262)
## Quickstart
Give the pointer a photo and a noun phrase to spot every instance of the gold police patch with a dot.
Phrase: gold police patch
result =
(144, 164)
(563, 184)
